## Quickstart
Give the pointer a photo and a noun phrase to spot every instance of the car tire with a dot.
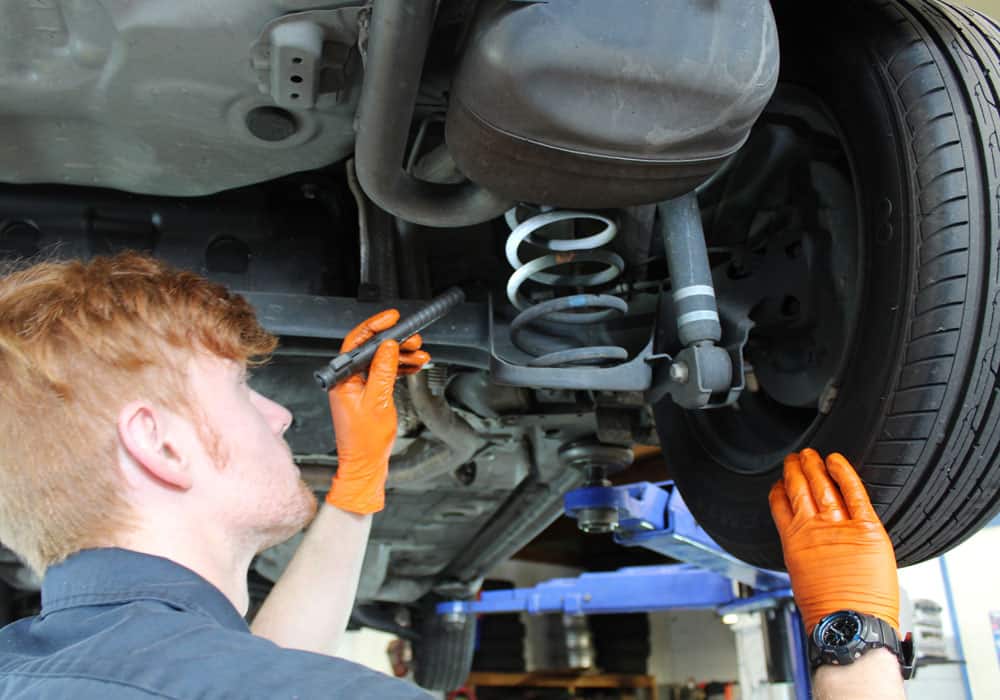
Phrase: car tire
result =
(913, 87)
(442, 656)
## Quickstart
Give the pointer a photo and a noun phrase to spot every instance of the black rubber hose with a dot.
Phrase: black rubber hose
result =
(399, 34)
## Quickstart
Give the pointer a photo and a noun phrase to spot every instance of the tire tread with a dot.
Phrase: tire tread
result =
(947, 308)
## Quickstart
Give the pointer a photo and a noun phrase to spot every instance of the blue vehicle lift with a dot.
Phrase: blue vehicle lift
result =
(654, 516)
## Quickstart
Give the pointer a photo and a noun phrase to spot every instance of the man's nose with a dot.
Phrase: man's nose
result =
(286, 419)
(279, 417)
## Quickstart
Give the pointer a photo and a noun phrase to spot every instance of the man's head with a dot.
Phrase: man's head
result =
(124, 406)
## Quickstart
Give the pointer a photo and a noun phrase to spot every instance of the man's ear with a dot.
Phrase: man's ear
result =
(145, 434)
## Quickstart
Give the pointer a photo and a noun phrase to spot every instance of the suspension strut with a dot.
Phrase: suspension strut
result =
(700, 375)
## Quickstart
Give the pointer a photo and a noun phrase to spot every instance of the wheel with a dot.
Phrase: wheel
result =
(442, 657)
(861, 229)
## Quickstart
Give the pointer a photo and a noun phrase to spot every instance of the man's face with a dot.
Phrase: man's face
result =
(252, 481)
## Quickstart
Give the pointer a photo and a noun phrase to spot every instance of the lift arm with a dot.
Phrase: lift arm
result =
(644, 515)
(654, 516)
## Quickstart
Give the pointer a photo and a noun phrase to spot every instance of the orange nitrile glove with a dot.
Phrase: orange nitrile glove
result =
(838, 555)
(364, 417)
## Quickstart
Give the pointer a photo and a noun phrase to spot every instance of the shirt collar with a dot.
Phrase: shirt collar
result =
(115, 576)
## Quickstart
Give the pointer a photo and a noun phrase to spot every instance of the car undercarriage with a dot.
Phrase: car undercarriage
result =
(665, 236)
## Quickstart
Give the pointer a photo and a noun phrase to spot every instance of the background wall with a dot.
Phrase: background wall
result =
(691, 644)
(972, 572)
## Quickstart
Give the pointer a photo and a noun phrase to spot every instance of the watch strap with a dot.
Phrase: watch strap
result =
(885, 636)
(877, 633)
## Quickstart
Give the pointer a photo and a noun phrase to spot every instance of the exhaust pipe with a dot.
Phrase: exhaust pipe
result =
(399, 33)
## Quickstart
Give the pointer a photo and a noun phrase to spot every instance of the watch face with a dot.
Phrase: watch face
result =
(840, 630)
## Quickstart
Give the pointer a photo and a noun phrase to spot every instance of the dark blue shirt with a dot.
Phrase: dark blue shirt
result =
(118, 624)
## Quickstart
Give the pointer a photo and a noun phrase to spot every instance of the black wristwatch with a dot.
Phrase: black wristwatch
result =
(843, 637)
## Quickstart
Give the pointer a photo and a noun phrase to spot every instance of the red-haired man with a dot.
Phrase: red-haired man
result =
(140, 474)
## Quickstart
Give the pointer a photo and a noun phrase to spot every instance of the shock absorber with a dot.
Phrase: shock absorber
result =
(701, 368)
(690, 276)
(576, 309)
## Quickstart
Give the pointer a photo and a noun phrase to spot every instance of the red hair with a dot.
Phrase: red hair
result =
(79, 340)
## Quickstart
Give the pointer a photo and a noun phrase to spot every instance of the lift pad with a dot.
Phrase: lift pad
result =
(654, 516)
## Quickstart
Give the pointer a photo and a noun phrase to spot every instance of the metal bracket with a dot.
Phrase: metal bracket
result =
(302, 55)
(693, 377)
(700, 376)
(634, 375)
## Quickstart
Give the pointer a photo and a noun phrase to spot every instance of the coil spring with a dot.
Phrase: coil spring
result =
(573, 309)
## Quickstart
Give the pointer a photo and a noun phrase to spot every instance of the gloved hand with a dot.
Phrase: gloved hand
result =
(838, 554)
(364, 416)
